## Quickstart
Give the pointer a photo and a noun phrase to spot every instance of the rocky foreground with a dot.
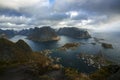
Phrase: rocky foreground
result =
(19, 62)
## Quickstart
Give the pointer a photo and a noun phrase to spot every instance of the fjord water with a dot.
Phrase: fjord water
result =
(114, 39)
(69, 58)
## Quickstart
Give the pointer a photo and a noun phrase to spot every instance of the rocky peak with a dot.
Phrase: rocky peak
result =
(74, 32)
(45, 33)
(24, 46)
(10, 51)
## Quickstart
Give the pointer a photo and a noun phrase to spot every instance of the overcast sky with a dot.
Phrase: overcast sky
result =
(91, 14)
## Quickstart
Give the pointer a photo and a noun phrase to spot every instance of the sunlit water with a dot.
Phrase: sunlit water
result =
(69, 58)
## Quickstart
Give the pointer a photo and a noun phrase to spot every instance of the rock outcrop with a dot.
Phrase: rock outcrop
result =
(74, 32)
(69, 46)
(43, 34)
(107, 46)
(24, 46)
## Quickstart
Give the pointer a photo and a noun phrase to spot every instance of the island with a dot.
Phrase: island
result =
(69, 46)
(74, 32)
(107, 46)
(43, 34)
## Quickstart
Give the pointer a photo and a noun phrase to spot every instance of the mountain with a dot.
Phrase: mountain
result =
(24, 32)
(43, 34)
(74, 32)
(46, 33)
(7, 33)
(24, 46)
(10, 51)
(18, 61)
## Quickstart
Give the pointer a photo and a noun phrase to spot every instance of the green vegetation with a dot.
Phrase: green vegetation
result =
(72, 74)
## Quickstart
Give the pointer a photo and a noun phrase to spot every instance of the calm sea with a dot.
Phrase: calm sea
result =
(69, 57)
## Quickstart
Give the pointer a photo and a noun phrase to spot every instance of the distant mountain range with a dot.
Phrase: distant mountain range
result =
(46, 33)
(7, 33)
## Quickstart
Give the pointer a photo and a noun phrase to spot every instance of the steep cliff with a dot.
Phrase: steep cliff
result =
(74, 32)
(43, 34)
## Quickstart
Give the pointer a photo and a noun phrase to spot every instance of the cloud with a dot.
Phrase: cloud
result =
(14, 26)
(17, 4)
(14, 19)
(78, 13)
(88, 5)
(15, 22)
